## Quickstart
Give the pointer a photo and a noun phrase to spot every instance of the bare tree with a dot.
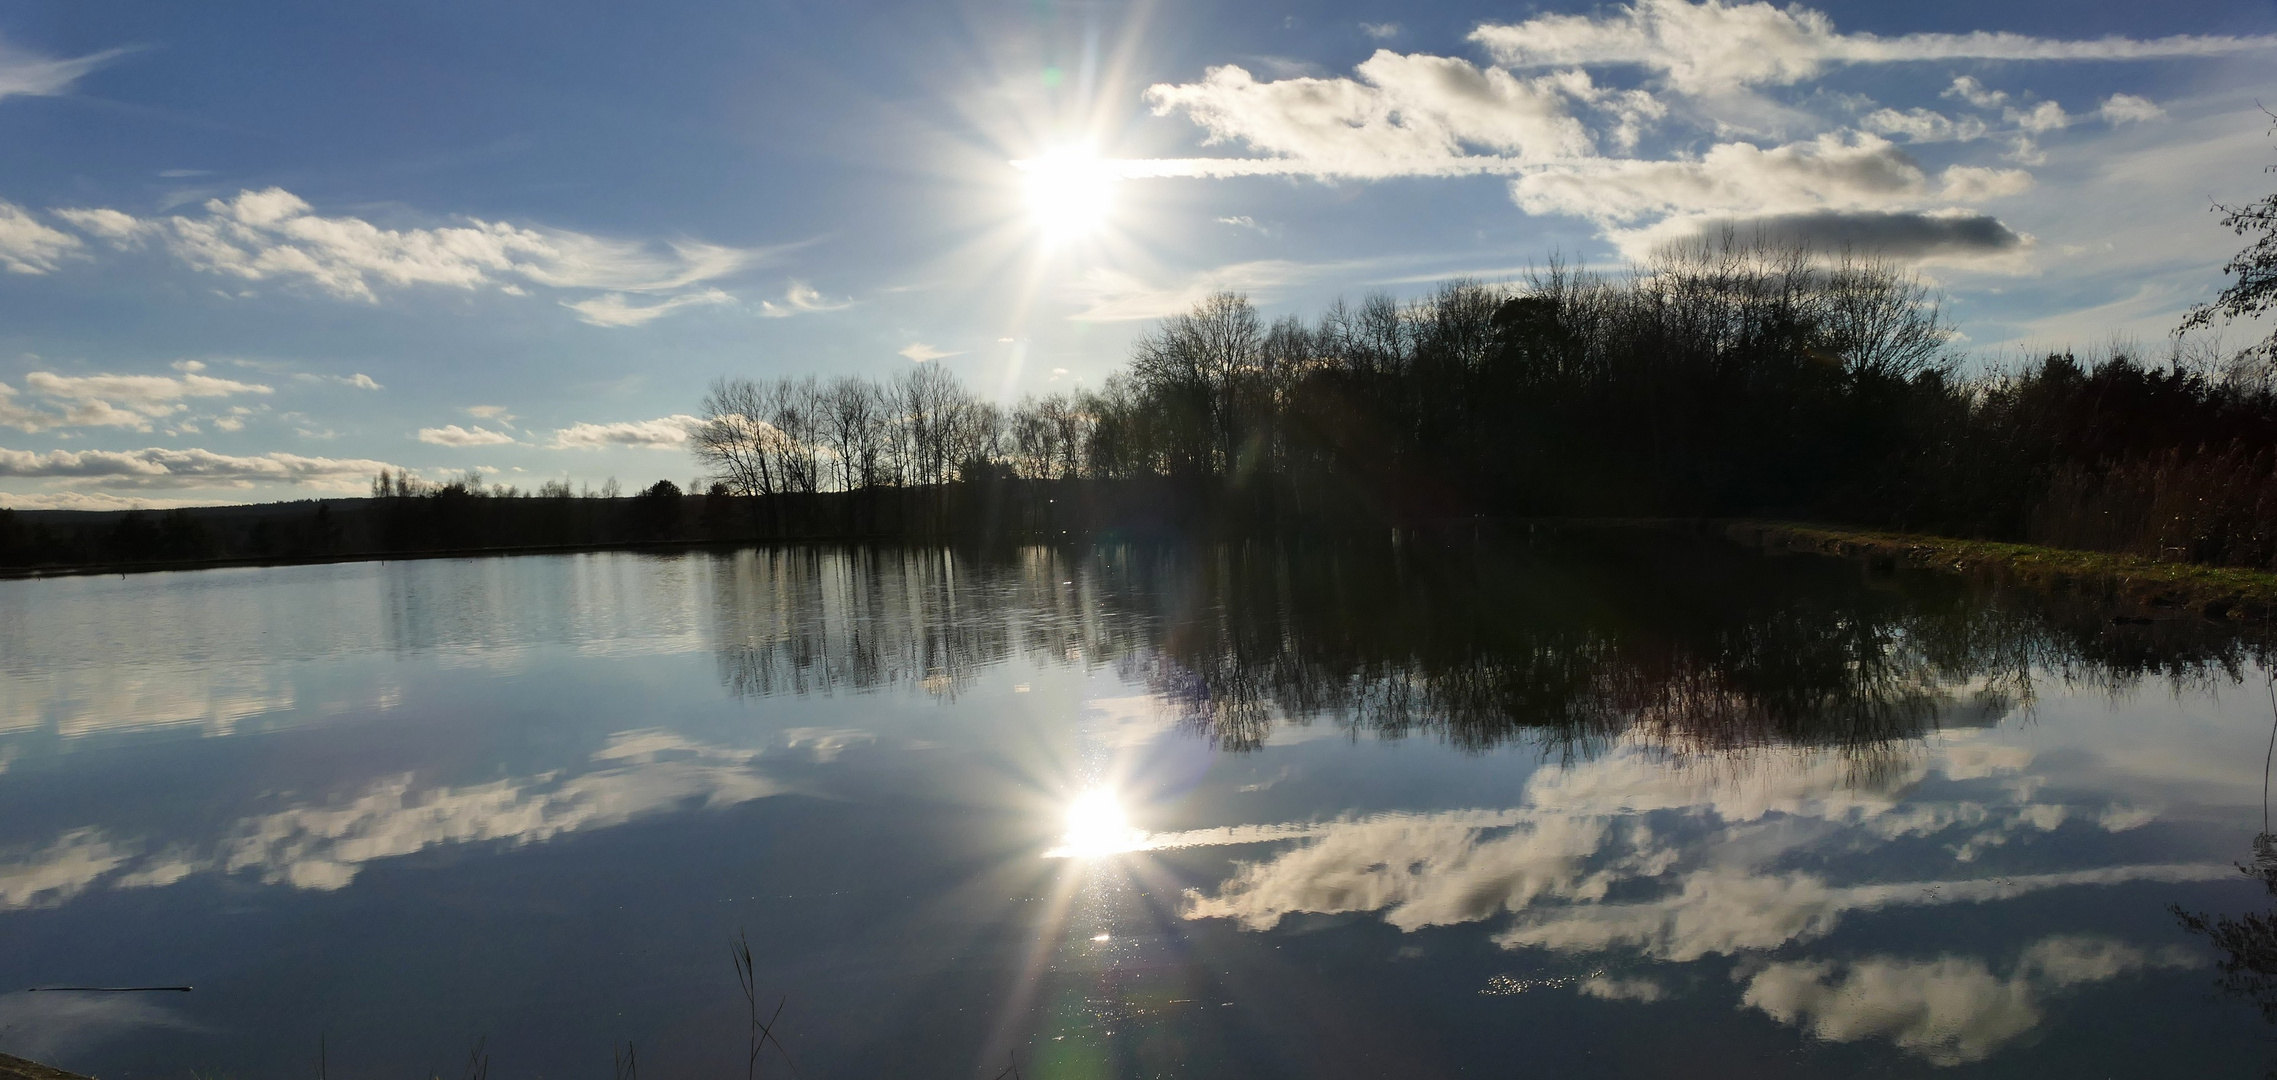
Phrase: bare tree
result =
(928, 398)
(853, 426)
(736, 442)
(1046, 438)
(800, 417)
(1881, 321)
(1192, 362)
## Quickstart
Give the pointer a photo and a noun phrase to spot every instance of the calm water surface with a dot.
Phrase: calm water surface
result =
(1607, 806)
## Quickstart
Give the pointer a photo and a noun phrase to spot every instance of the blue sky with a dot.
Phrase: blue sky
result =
(251, 252)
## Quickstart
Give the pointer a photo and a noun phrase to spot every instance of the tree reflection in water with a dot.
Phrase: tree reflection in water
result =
(1573, 638)
(1620, 651)
(2248, 943)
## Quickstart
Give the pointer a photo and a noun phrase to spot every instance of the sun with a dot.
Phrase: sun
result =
(1070, 192)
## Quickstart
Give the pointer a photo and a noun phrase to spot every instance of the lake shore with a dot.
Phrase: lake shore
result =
(2138, 587)
(2143, 588)
(16, 1068)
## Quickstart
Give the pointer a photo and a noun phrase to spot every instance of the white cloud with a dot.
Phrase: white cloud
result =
(1420, 115)
(131, 401)
(91, 500)
(359, 380)
(490, 412)
(1645, 991)
(116, 226)
(826, 745)
(1949, 1011)
(1924, 125)
(165, 467)
(2045, 117)
(1859, 172)
(664, 433)
(454, 435)
(1967, 88)
(58, 871)
(78, 702)
(53, 1026)
(919, 352)
(1713, 47)
(275, 234)
(32, 75)
(801, 299)
(1702, 875)
(28, 247)
(324, 847)
(611, 309)
(1405, 115)
(2127, 108)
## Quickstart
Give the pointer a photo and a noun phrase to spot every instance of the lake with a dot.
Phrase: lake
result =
(1604, 804)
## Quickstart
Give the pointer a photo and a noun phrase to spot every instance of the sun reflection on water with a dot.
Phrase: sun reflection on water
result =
(1097, 825)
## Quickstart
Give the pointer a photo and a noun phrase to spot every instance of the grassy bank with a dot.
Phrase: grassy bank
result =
(2136, 586)
(16, 1068)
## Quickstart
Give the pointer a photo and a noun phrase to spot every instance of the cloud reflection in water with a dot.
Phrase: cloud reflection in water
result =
(324, 846)
(1708, 850)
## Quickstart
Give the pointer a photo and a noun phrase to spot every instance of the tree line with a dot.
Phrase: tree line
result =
(801, 435)
(1722, 379)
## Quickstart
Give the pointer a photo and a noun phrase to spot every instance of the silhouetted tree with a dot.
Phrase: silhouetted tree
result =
(656, 510)
(2255, 268)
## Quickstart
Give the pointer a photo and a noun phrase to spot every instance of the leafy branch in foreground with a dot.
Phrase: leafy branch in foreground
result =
(2255, 268)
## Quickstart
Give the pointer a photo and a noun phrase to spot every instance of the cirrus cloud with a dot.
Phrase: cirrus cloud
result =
(30, 74)
(611, 309)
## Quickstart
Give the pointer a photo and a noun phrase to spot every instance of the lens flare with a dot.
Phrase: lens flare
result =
(1070, 193)
(1096, 825)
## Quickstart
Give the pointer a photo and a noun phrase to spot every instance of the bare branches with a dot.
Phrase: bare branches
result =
(736, 441)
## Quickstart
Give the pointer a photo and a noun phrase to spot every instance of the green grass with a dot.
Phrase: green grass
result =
(2213, 591)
